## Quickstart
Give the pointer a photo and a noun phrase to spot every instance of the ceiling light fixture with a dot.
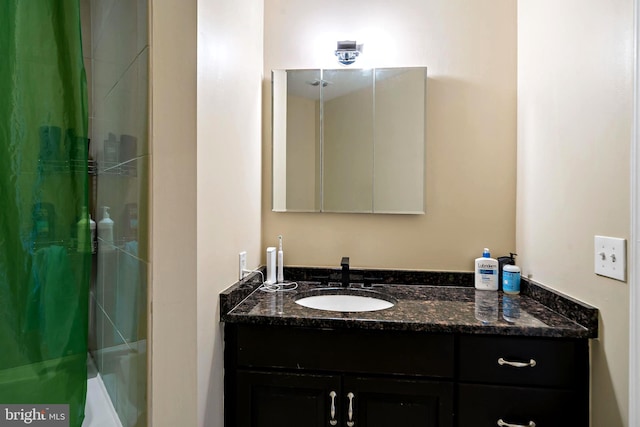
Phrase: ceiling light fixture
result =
(348, 51)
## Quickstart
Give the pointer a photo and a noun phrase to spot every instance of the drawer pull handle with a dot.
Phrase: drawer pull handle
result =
(333, 420)
(350, 421)
(503, 424)
(530, 364)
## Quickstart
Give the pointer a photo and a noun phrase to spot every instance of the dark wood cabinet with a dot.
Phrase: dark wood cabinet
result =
(485, 405)
(557, 362)
(390, 402)
(342, 350)
(523, 381)
(283, 376)
(288, 376)
(275, 399)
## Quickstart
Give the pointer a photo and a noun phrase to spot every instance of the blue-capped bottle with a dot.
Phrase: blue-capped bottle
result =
(511, 279)
(486, 272)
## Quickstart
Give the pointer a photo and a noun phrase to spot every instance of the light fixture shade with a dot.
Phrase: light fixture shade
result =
(347, 52)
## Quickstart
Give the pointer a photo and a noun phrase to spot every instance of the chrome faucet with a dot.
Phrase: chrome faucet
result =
(345, 271)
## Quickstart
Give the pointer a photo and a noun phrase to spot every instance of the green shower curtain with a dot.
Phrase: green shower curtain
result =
(45, 260)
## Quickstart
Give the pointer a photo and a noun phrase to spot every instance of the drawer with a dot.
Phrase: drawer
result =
(342, 350)
(557, 363)
(483, 405)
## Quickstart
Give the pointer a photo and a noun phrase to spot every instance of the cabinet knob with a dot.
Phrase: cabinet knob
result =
(503, 424)
(530, 364)
(350, 422)
(333, 420)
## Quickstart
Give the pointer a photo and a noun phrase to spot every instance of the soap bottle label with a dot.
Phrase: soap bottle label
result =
(488, 275)
(511, 282)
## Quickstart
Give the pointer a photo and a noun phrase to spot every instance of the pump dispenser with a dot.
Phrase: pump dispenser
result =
(486, 272)
(105, 230)
(85, 221)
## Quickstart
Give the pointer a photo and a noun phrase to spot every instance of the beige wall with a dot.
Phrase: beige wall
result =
(206, 71)
(229, 156)
(575, 63)
(470, 49)
(174, 373)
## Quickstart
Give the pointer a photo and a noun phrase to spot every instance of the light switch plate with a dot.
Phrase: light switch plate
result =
(610, 257)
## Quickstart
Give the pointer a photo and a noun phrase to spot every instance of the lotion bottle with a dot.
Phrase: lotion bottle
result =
(486, 272)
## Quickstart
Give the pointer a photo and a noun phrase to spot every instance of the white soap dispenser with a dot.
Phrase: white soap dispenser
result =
(486, 272)
(105, 230)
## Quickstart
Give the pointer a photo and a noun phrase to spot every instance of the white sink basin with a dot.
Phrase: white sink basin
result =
(345, 302)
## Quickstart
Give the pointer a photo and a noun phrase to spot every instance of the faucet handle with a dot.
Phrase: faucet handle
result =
(344, 262)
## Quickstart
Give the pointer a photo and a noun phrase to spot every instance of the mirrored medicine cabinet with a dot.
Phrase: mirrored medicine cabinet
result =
(349, 140)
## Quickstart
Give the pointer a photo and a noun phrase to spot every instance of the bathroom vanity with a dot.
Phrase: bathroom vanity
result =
(441, 356)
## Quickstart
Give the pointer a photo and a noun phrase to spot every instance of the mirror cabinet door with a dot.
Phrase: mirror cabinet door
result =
(296, 140)
(399, 149)
(349, 140)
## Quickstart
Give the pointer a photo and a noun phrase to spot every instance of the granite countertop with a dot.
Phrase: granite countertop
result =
(445, 308)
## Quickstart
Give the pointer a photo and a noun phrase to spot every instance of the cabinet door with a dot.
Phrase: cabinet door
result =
(268, 399)
(387, 402)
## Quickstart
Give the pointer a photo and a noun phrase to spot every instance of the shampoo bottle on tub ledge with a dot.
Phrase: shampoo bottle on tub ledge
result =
(486, 272)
